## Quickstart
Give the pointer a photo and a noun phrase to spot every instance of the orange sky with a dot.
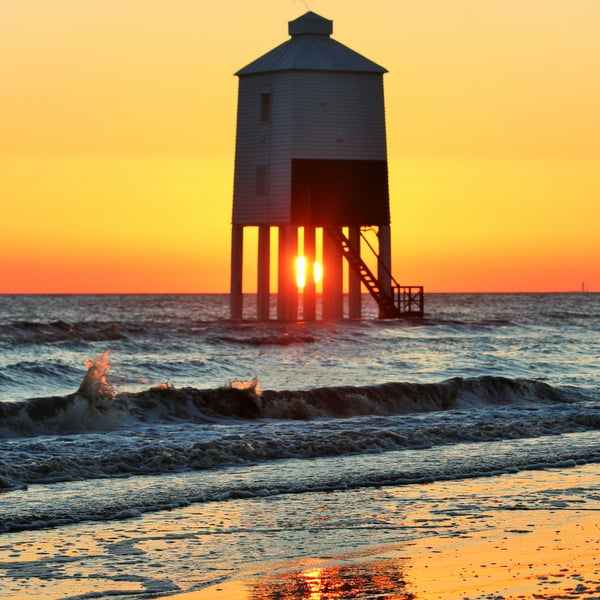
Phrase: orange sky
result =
(117, 125)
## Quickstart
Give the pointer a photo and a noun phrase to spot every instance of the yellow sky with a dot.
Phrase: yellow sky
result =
(117, 124)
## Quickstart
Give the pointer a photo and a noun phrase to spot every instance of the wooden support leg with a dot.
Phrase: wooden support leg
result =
(333, 300)
(287, 291)
(237, 259)
(385, 260)
(309, 295)
(354, 285)
(263, 297)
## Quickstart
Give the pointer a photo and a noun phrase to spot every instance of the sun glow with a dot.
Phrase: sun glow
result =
(301, 271)
(317, 272)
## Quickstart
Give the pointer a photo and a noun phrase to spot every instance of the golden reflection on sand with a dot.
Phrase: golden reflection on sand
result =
(373, 579)
(542, 554)
(379, 579)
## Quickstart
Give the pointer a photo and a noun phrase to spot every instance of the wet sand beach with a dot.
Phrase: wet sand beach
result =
(531, 534)
(533, 556)
(519, 549)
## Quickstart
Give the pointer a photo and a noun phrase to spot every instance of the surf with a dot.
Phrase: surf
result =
(96, 406)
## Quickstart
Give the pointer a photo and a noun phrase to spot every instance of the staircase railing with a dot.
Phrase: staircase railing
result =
(400, 301)
(410, 299)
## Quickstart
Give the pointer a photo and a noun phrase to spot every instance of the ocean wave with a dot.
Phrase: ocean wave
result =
(34, 332)
(113, 500)
(33, 369)
(274, 339)
(150, 432)
(97, 407)
(404, 398)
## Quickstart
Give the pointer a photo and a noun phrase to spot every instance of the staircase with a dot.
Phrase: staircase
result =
(403, 301)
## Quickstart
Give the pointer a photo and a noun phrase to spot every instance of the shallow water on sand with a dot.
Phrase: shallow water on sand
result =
(269, 539)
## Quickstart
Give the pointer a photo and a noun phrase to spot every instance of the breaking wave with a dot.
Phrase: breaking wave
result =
(97, 407)
(96, 432)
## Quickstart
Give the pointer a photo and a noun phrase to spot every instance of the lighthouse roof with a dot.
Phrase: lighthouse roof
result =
(311, 48)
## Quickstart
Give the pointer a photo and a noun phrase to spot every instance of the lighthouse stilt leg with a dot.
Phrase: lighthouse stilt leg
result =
(263, 276)
(309, 294)
(384, 269)
(354, 285)
(333, 299)
(287, 291)
(237, 259)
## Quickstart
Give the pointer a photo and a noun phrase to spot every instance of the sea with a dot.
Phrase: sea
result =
(149, 445)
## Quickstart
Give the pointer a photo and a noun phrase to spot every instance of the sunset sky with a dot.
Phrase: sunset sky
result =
(117, 130)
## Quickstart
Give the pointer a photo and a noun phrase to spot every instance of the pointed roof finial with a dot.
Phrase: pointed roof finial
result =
(310, 23)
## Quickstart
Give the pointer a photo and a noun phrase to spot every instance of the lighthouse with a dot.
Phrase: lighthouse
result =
(311, 176)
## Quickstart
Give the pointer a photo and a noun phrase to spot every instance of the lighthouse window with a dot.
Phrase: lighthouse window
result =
(265, 108)
(262, 184)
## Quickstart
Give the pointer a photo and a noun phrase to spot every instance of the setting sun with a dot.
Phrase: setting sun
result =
(301, 271)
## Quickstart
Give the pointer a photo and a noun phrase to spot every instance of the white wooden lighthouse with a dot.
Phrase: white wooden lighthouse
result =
(311, 162)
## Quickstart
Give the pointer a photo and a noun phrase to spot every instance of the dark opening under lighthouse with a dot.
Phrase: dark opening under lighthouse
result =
(311, 169)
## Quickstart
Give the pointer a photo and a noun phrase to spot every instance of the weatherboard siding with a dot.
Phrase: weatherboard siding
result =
(317, 115)
(338, 116)
(262, 144)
